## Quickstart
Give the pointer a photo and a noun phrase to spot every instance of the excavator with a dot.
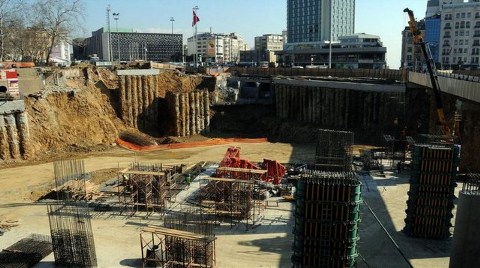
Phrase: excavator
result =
(418, 39)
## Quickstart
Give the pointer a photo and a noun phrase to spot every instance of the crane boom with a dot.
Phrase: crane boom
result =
(418, 39)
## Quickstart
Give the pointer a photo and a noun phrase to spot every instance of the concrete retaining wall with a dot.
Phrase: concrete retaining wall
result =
(189, 113)
(14, 131)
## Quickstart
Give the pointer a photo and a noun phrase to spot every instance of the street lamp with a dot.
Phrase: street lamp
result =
(172, 19)
(116, 17)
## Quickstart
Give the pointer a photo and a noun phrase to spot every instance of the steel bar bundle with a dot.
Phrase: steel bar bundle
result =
(334, 150)
(326, 219)
(72, 237)
(147, 186)
(70, 179)
(431, 194)
(174, 248)
(27, 252)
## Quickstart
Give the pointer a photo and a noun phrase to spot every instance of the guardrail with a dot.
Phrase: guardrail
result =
(399, 75)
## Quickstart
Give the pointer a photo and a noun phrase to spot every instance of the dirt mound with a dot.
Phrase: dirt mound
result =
(137, 138)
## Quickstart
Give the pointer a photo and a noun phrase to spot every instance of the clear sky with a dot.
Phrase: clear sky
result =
(247, 18)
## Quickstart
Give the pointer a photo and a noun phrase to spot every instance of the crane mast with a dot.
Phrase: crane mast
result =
(418, 39)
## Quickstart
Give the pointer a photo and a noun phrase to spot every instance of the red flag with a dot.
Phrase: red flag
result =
(195, 19)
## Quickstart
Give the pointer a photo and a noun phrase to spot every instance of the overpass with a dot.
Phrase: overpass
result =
(468, 90)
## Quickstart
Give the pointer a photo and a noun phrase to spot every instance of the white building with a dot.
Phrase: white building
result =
(61, 53)
(215, 48)
(460, 35)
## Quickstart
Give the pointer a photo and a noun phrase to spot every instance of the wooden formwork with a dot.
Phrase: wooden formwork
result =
(431, 194)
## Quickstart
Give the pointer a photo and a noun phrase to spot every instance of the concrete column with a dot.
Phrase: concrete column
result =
(187, 114)
(134, 102)
(206, 107)
(466, 246)
(177, 114)
(23, 134)
(4, 148)
(201, 112)
(139, 105)
(129, 101)
(122, 97)
(182, 114)
(193, 125)
(12, 136)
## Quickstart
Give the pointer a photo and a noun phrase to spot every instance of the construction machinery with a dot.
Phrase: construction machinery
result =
(418, 39)
(274, 171)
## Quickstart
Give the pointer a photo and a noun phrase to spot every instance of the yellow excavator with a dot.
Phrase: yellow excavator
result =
(418, 39)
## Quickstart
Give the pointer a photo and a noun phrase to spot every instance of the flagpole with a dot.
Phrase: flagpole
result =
(195, 8)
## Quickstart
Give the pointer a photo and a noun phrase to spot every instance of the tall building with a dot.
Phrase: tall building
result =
(434, 7)
(460, 36)
(128, 45)
(432, 36)
(319, 20)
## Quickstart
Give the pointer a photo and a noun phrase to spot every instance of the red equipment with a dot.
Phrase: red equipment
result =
(274, 174)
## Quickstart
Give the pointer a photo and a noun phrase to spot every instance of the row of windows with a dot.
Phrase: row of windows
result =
(461, 15)
(460, 60)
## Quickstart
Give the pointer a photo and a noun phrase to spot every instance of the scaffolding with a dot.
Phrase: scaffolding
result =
(72, 237)
(27, 252)
(147, 187)
(230, 199)
(326, 219)
(174, 248)
(334, 150)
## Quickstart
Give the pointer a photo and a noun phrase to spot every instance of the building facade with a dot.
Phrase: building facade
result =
(266, 46)
(460, 36)
(127, 45)
(319, 20)
(356, 51)
(434, 7)
(412, 56)
(432, 36)
(215, 48)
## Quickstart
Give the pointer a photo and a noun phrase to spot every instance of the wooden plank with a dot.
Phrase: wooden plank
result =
(137, 172)
(246, 170)
(226, 180)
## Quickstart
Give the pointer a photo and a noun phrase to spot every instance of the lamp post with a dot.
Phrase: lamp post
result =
(172, 19)
(116, 17)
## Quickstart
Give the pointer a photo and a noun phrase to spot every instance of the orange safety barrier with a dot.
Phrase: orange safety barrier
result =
(210, 142)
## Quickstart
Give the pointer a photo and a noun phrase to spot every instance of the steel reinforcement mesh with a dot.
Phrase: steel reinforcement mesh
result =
(192, 220)
(27, 252)
(70, 179)
(326, 220)
(72, 237)
(334, 150)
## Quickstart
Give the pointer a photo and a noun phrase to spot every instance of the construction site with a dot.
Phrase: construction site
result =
(239, 167)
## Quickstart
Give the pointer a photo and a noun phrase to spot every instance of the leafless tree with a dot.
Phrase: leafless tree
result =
(10, 14)
(58, 18)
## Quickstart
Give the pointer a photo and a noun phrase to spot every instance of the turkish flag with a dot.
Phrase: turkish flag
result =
(195, 19)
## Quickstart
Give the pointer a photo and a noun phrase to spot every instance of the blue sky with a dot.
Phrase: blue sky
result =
(248, 18)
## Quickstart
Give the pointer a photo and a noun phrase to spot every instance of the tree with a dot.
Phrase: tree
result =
(58, 19)
(10, 17)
